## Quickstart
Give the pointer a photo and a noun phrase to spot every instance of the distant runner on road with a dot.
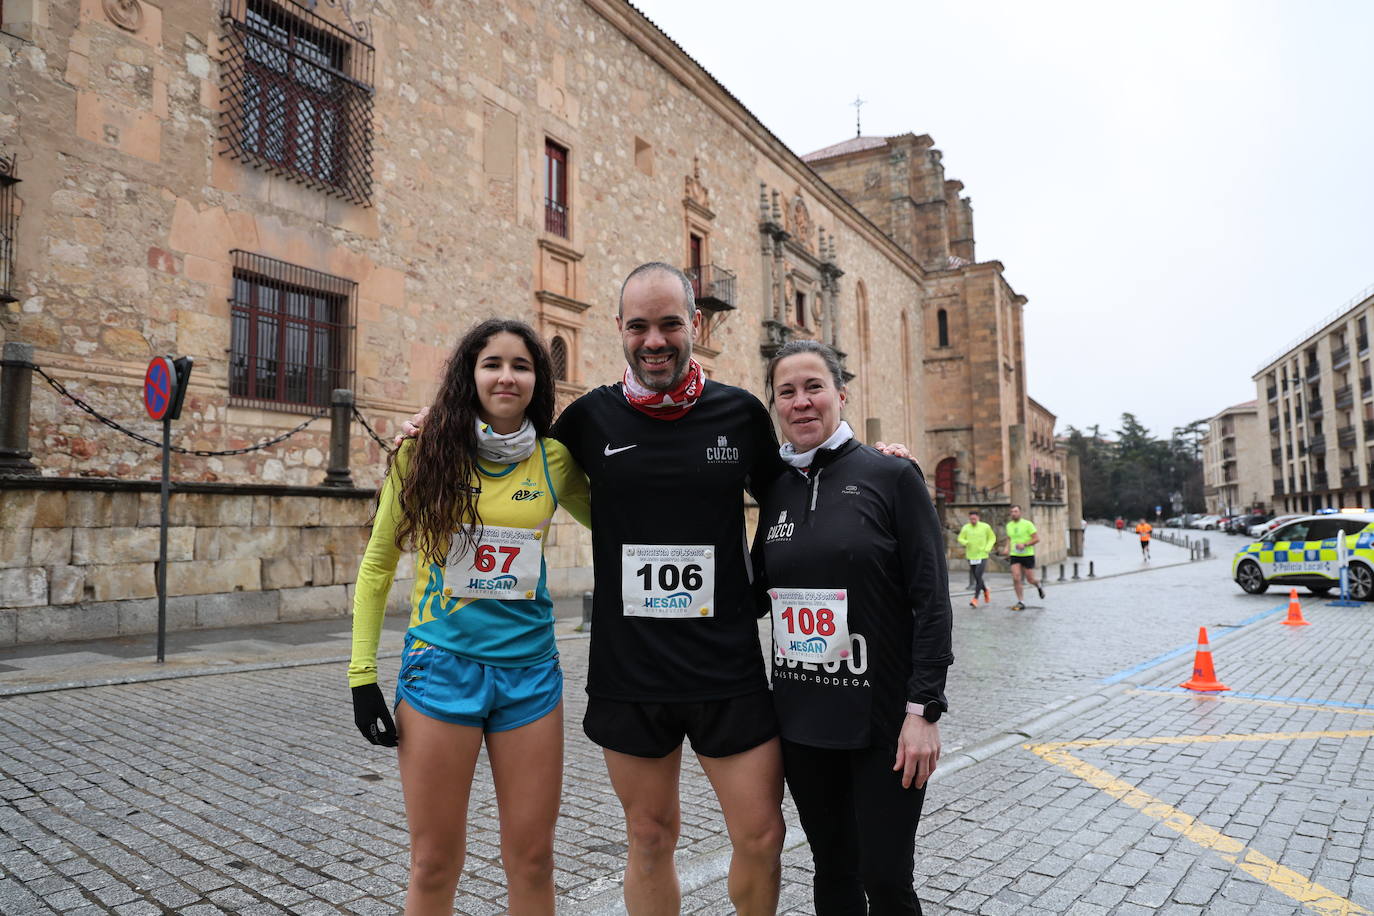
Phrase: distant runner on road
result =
(1021, 540)
(978, 539)
(1143, 529)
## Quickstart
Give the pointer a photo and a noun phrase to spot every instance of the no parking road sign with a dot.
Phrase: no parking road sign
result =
(164, 386)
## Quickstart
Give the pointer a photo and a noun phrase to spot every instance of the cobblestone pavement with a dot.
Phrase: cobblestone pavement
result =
(248, 791)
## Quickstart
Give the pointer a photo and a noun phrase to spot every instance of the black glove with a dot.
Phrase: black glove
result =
(371, 715)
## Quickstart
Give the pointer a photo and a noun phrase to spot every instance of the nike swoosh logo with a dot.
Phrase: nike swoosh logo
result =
(611, 451)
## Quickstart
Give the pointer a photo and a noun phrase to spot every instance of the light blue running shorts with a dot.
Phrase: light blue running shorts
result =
(441, 685)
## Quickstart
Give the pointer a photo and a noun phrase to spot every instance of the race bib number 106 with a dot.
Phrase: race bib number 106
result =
(670, 581)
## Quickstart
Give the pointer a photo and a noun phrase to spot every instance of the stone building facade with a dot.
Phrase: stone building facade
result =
(1235, 462)
(1319, 413)
(990, 444)
(310, 197)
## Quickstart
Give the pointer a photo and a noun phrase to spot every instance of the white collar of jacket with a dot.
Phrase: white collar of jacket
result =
(802, 460)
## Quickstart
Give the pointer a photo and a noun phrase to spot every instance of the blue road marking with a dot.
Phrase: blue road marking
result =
(1263, 696)
(1184, 650)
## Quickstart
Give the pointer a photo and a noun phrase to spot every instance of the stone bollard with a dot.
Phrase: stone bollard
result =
(16, 389)
(1075, 570)
(586, 625)
(1061, 572)
(1206, 547)
(340, 421)
(1091, 574)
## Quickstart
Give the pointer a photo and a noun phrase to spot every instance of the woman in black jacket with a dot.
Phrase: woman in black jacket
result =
(855, 576)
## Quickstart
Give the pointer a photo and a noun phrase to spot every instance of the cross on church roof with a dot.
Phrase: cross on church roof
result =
(858, 103)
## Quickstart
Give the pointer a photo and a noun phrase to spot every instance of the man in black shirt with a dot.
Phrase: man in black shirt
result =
(675, 650)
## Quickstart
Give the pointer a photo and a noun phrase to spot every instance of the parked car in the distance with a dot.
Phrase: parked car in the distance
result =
(1205, 522)
(1260, 529)
(1242, 523)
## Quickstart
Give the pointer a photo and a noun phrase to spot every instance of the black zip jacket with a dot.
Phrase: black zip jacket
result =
(862, 521)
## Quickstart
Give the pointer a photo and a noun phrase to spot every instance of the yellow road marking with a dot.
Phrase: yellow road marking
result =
(1282, 879)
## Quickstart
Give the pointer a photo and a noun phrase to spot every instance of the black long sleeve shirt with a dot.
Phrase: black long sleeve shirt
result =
(863, 522)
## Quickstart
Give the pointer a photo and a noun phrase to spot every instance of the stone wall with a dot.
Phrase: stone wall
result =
(78, 559)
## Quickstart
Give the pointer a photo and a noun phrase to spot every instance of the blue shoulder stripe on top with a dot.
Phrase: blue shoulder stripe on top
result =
(543, 452)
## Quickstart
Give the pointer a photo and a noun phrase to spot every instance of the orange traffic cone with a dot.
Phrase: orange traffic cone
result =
(1295, 611)
(1204, 675)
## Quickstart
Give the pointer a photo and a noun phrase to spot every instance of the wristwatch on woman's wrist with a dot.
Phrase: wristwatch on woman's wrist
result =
(930, 711)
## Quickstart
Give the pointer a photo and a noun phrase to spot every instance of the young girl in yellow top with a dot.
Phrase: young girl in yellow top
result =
(474, 496)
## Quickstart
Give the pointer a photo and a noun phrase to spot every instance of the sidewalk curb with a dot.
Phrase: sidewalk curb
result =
(207, 671)
(1041, 721)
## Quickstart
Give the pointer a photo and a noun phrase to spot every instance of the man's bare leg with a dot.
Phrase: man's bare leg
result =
(648, 791)
(749, 788)
(1016, 580)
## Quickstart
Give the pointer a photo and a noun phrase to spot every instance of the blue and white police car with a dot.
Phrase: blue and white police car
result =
(1306, 552)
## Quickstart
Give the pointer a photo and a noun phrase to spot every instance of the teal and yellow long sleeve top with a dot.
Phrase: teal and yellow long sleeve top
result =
(490, 605)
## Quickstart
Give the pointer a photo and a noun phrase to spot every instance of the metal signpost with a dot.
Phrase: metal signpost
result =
(164, 390)
(1343, 564)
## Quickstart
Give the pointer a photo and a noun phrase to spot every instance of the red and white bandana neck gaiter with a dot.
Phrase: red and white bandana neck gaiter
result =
(666, 405)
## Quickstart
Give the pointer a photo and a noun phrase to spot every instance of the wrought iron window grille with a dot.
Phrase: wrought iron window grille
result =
(291, 341)
(9, 221)
(297, 96)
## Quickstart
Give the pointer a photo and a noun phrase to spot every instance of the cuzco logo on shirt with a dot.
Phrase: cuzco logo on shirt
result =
(782, 531)
(722, 451)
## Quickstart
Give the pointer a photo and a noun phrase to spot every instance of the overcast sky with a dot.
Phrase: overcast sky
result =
(1179, 189)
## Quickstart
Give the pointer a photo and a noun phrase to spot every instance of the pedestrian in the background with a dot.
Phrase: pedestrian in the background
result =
(1120, 526)
(474, 496)
(1021, 540)
(1143, 529)
(978, 539)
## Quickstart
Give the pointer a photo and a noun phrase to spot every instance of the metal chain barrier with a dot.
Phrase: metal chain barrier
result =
(386, 447)
(200, 453)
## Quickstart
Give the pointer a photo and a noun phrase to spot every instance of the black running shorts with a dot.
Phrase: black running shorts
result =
(716, 728)
(1028, 562)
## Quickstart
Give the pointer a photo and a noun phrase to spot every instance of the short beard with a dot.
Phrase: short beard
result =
(684, 363)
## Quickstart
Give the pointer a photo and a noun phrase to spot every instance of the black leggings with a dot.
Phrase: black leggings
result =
(861, 825)
(976, 571)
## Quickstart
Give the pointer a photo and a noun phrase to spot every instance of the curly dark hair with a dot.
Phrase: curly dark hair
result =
(439, 493)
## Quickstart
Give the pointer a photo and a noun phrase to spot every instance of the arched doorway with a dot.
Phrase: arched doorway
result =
(944, 478)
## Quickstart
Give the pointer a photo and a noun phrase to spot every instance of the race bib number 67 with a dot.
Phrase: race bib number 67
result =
(505, 564)
(668, 581)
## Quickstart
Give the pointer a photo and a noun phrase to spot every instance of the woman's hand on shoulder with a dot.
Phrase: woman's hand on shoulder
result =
(895, 449)
(411, 428)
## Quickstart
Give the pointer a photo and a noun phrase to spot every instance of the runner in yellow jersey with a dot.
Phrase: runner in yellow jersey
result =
(474, 496)
(1021, 540)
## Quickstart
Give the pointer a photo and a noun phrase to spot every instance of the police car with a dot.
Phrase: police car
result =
(1305, 551)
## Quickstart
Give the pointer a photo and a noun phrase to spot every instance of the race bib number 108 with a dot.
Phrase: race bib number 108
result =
(668, 581)
(811, 624)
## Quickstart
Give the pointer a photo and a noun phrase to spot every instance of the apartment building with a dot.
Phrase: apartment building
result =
(1235, 467)
(1318, 405)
